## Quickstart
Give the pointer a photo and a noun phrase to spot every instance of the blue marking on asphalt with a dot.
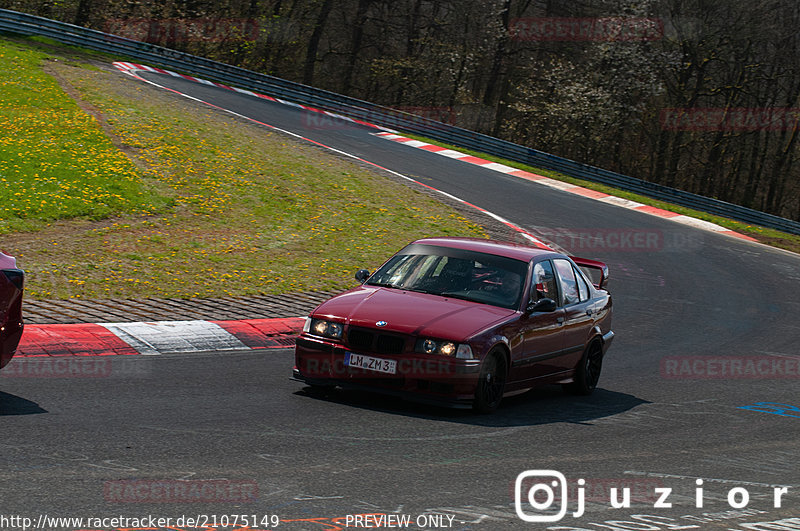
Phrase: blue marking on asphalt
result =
(774, 408)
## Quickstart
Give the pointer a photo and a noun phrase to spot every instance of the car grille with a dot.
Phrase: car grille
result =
(363, 339)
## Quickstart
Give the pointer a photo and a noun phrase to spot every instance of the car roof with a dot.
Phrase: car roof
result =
(517, 251)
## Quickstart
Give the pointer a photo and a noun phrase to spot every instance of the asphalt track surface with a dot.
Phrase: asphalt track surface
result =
(131, 443)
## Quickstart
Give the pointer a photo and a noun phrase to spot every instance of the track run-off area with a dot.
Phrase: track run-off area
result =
(697, 410)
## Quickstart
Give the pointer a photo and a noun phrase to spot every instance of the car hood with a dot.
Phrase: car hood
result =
(413, 313)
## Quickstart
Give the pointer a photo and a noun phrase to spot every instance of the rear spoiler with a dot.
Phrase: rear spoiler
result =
(7, 262)
(8, 267)
(596, 271)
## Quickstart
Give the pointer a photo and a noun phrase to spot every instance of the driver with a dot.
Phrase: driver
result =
(541, 279)
(510, 285)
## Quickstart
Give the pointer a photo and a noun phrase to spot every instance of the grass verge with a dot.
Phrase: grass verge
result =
(55, 160)
(212, 207)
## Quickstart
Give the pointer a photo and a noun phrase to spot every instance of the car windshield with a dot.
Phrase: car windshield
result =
(456, 273)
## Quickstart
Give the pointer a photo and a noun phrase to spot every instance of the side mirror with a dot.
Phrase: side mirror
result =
(542, 305)
(362, 275)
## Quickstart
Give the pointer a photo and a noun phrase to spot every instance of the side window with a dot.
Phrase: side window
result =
(567, 277)
(583, 288)
(544, 282)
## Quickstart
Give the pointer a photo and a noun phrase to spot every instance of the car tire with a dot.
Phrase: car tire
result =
(587, 373)
(491, 382)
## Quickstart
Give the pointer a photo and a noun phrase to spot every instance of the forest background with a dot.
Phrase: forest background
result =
(701, 95)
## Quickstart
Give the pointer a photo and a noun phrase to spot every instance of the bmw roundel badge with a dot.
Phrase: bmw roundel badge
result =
(381, 324)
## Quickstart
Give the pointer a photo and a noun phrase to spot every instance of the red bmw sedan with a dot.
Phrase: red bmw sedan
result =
(462, 322)
(11, 284)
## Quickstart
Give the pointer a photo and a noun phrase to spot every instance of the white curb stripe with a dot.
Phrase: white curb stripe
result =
(620, 202)
(415, 143)
(558, 185)
(447, 153)
(165, 337)
(502, 168)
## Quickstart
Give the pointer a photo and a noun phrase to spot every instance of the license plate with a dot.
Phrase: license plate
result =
(352, 359)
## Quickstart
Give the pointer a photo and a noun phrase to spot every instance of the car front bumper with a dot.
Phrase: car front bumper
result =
(418, 377)
(608, 338)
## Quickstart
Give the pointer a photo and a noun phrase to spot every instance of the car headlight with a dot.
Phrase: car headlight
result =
(320, 327)
(444, 348)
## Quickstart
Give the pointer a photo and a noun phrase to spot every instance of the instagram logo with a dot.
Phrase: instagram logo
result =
(544, 483)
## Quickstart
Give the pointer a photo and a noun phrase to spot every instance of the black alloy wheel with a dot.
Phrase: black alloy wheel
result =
(491, 382)
(587, 374)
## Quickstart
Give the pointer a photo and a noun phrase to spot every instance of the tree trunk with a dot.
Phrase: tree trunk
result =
(83, 12)
(313, 42)
(356, 38)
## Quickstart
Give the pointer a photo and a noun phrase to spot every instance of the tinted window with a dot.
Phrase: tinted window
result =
(455, 273)
(568, 284)
(583, 287)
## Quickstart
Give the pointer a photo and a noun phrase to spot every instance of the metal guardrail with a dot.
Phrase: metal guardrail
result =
(22, 23)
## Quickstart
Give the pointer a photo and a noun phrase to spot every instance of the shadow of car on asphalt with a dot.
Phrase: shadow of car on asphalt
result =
(543, 405)
(15, 405)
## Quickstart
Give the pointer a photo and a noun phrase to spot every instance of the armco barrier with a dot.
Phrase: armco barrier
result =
(21, 23)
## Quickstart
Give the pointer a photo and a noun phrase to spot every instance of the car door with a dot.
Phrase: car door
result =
(576, 303)
(542, 332)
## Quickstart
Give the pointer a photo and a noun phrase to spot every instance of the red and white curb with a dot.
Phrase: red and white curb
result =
(565, 187)
(158, 337)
